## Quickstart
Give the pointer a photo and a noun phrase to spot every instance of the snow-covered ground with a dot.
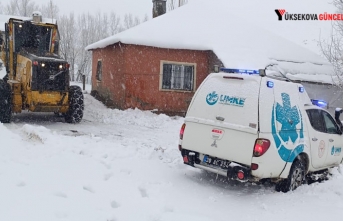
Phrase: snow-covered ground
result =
(124, 165)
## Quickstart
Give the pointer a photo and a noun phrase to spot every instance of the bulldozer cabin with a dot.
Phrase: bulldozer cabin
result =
(37, 78)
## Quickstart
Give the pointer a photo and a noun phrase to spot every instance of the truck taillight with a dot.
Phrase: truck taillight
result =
(182, 131)
(35, 63)
(261, 146)
(241, 175)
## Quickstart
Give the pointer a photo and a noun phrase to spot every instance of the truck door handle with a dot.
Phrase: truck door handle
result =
(220, 118)
(331, 140)
(314, 139)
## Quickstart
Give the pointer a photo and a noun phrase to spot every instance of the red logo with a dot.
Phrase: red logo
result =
(282, 11)
(217, 131)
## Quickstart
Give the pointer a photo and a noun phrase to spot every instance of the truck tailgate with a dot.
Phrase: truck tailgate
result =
(222, 120)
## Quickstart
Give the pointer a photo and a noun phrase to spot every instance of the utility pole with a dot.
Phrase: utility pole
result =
(84, 82)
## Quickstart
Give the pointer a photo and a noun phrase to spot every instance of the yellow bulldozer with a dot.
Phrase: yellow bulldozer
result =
(37, 78)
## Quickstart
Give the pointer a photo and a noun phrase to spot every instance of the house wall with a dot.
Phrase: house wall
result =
(111, 89)
(131, 77)
(142, 78)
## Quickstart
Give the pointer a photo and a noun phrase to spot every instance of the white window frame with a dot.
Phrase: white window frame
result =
(182, 64)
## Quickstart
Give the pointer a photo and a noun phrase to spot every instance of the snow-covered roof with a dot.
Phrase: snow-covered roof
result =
(5, 18)
(244, 35)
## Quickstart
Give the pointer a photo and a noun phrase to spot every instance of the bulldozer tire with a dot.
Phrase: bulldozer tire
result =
(5, 102)
(76, 105)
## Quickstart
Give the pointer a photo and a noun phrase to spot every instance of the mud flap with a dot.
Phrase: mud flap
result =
(286, 169)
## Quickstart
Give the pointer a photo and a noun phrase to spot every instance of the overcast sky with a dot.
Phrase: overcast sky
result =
(135, 7)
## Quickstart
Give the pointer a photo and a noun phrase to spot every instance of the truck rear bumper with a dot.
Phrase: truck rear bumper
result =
(225, 168)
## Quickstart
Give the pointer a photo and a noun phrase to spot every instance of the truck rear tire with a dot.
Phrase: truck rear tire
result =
(5, 102)
(76, 105)
(295, 178)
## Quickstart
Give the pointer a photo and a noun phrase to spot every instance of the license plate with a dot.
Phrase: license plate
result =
(216, 162)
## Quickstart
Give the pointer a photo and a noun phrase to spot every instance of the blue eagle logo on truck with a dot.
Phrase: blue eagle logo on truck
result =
(289, 117)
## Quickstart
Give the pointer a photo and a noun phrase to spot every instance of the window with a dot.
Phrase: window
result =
(322, 121)
(178, 76)
(330, 124)
(316, 120)
(32, 37)
(99, 70)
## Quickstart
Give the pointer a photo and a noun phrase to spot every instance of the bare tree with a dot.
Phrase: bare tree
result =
(88, 34)
(114, 24)
(136, 21)
(332, 48)
(130, 21)
(68, 34)
(20, 7)
(76, 34)
(173, 4)
(101, 24)
(182, 2)
(50, 10)
(25, 7)
(11, 8)
(146, 18)
(91, 29)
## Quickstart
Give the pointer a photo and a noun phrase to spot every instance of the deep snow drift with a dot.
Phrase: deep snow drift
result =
(124, 165)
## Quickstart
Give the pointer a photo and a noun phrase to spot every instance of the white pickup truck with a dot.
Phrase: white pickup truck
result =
(251, 127)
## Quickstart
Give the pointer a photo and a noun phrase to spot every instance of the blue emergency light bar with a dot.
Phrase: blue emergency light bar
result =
(270, 84)
(319, 103)
(241, 71)
(301, 89)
